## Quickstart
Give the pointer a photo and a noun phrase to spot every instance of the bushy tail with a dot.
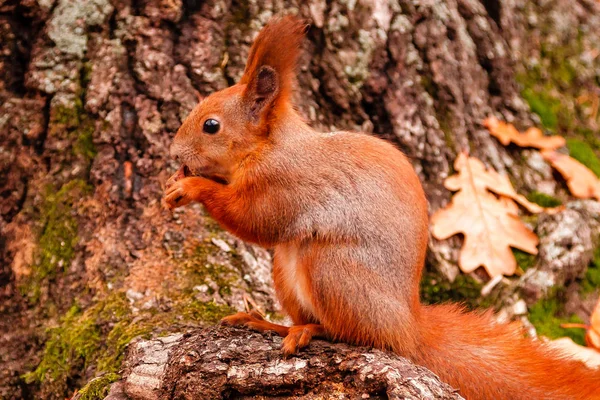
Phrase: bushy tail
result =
(489, 360)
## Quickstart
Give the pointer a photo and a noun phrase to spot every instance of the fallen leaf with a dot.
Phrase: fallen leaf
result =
(589, 355)
(569, 348)
(594, 101)
(490, 225)
(532, 137)
(582, 182)
(592, 336)
(494, 182)
(510, 205)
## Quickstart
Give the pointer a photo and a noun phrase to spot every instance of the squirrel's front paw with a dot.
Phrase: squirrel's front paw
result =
(180, 174)
(180, 193)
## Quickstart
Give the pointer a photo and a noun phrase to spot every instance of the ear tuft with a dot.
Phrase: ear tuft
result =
(270, 69)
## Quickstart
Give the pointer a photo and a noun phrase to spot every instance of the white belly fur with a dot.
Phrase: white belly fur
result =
(294, 277)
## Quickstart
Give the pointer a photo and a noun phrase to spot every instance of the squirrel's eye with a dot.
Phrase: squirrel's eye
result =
(211, 126)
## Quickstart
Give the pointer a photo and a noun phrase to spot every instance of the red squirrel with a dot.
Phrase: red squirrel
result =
(347, 218)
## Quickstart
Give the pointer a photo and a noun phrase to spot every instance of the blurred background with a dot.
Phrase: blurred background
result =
(92, 92)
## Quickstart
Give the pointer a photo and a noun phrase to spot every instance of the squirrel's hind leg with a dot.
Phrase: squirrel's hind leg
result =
(296, 337)
(254, 321)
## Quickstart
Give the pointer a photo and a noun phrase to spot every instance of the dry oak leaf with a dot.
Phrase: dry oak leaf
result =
(592, 336)
(582, 182)
(569, 348)
(532, 137)
(490, 225)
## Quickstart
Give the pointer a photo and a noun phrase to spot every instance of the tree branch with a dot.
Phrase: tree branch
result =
(227, 362)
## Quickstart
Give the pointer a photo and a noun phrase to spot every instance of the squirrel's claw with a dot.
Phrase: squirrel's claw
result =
(175, 196)
(298, 337)
(180, 174)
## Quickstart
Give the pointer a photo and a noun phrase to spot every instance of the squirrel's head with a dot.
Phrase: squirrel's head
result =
(231, 125)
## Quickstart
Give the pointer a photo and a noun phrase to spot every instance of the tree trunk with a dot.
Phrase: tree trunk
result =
(93, 91)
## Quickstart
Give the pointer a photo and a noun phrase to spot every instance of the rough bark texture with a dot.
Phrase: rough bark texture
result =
(235, 363)
(91, 92)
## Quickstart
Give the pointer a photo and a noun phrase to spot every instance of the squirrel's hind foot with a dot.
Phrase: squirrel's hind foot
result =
(299, 336)
(295, 337)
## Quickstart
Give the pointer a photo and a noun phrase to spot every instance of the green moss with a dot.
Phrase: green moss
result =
(543, 199)
(56, 246)
(560, 70)
(583, 152)
(199, 270)
(96, 338)
(589, 136)
(524, 260)
(565, 74)
(591, 281)
(79, 340)
(76, 125)
(84, 144)
(554, 87)
(464, 289)
(212, 226)
(124, 328)
(118, 325)
(67, 117)
(97, 388)
(548, 314)
(110, 357)
(197, 311)
(73, 342)
(545, 106)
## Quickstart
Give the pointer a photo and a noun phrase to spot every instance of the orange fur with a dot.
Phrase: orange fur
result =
(347, 217)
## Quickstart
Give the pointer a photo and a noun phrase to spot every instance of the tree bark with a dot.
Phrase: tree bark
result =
(224, 362)
(93, 91)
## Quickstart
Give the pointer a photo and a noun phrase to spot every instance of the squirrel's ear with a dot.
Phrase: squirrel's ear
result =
(270, 70)
(261, 91)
